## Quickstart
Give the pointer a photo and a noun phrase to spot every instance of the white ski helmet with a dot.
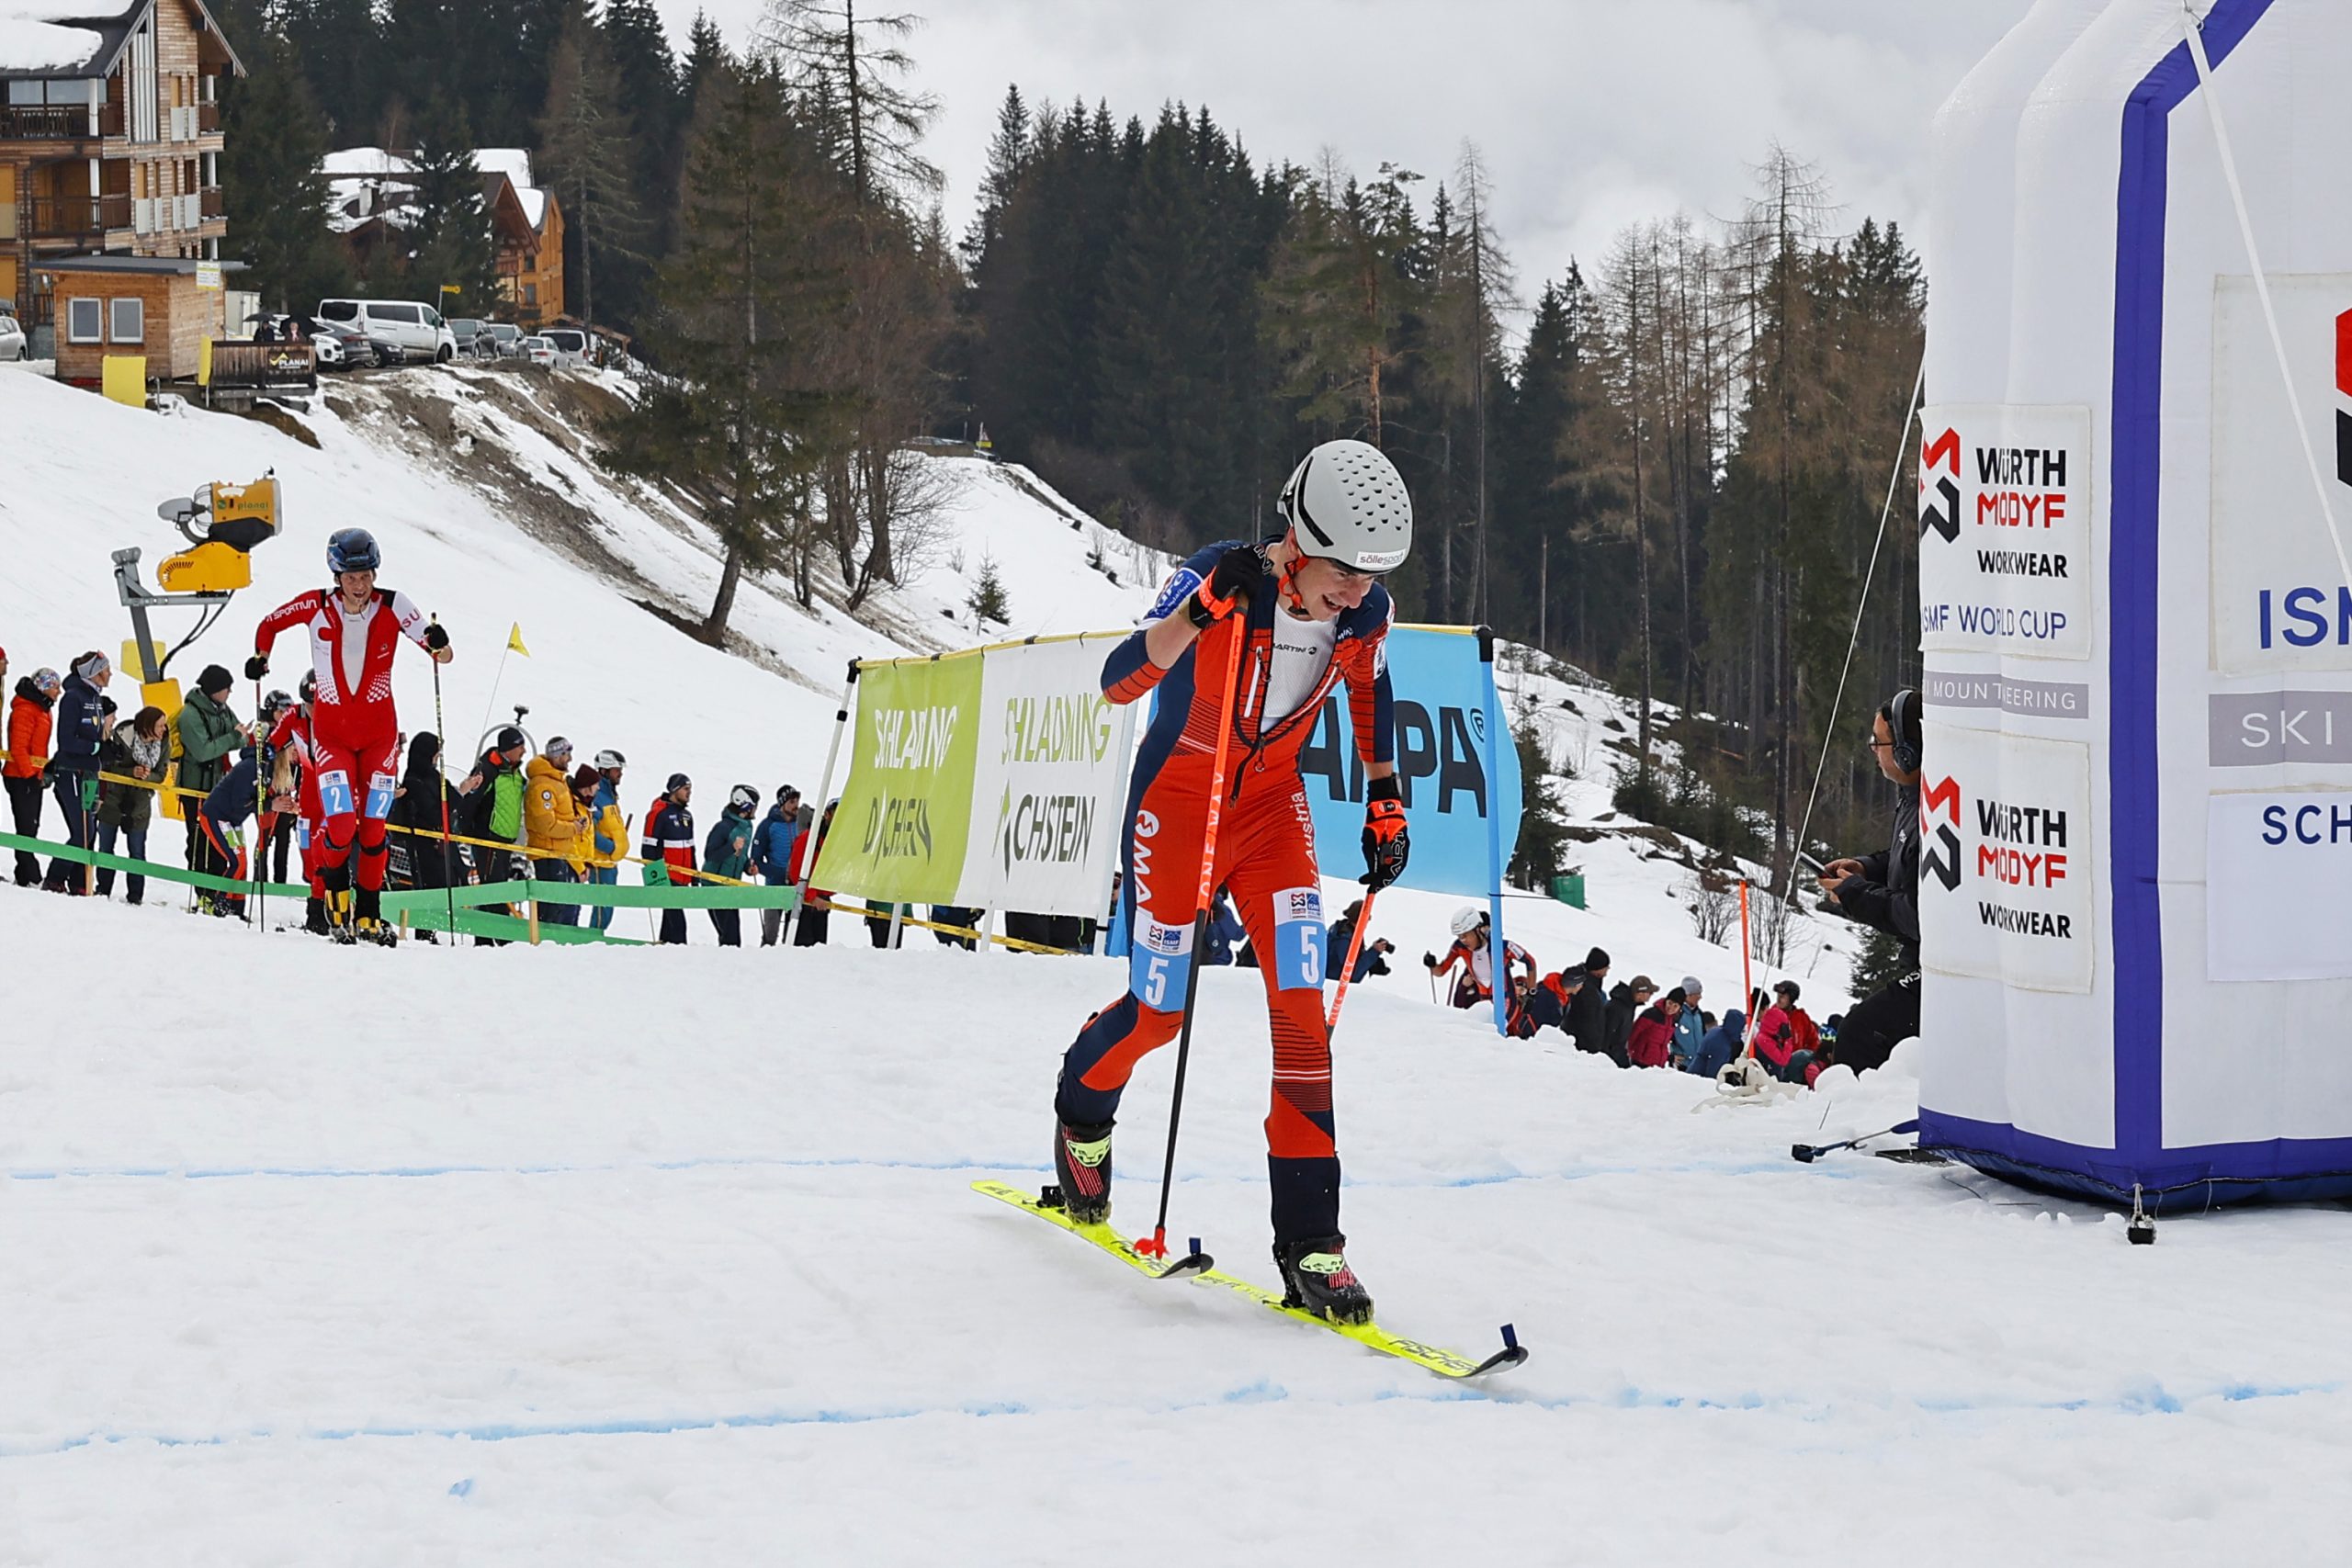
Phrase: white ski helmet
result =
(1467, 918)
(1345, 502)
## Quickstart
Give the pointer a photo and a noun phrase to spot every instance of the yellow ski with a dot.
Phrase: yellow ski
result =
(1199, 1268)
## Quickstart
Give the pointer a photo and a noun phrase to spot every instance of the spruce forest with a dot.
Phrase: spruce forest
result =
(1666, 466)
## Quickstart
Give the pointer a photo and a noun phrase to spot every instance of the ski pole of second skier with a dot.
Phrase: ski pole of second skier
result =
(441, 733)
(261, 803)
(1155, 1245)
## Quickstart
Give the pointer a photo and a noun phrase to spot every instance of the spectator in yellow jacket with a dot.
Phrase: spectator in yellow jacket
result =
(554, 826)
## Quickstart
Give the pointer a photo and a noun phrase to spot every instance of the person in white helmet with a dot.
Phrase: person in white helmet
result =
(1474, 952)
(1304, 611)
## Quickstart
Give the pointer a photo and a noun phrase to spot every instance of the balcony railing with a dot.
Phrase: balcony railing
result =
(207, 118)
(213, 206)
(110, 120)
(44, 122)
(74, 217)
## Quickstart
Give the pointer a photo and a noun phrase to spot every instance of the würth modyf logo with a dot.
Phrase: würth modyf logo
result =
(1942, 514)
(1940, 857)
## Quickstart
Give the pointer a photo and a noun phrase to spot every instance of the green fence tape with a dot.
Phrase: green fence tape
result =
(179, 873)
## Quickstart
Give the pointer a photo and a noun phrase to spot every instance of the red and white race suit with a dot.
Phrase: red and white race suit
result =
(355, 733)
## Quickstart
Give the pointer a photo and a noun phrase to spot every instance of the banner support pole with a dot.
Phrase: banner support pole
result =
(1499, 951)
(824, 794)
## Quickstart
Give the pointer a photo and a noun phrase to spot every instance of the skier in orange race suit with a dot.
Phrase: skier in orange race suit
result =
(1307, 610)
(354, 628)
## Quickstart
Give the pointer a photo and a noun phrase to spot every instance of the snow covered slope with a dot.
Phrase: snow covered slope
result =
(479, 486)
(669, 1258)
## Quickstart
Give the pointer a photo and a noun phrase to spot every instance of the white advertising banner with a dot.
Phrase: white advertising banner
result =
(2278, 866)
(2004, 521)
(2279, 599)
(1049, 783)
(2007, 873)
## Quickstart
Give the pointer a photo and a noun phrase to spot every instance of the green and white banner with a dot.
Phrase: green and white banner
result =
(994, 779)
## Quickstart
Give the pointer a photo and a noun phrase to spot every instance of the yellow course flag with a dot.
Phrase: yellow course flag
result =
(514, 639)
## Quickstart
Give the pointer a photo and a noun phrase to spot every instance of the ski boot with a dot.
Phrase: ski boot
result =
(339, 927)
(314, 916)
(1317, 1281)
(370, 923)
(1082, 1165)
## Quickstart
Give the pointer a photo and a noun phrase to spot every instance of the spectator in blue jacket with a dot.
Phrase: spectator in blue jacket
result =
(1690, 1025)
(221, 819)
(608, 830)
(771, 854)
(81, 729)
(1721, 1045)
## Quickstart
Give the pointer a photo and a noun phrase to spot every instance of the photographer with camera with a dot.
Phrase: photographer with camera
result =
(1882, 891)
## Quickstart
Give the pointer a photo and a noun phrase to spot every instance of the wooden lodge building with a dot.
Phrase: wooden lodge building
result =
(110, 140)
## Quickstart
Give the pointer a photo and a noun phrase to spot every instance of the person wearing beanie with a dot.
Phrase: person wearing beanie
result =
(669, 849)
(1649, 1043)
(30, 722)
(772, 856)
(209, 734)
(728, 853)
(1625, 1004)
(555, 825)
(1587, 1015)
(493, 804)
(1689, 1027)
(608, 830)
(80, 731)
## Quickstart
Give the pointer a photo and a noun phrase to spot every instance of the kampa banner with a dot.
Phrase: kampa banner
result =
(1051, 779)
(905, 818)
(1444, 693)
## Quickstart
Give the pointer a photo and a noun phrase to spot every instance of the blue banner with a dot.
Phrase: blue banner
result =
(1444, 694)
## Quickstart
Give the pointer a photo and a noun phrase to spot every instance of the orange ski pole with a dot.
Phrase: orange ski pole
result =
(1156, 1244)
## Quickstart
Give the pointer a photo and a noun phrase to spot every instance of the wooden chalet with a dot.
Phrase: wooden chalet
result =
(109, 137)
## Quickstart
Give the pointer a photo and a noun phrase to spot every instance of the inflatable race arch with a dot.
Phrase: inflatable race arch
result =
(2136, 480)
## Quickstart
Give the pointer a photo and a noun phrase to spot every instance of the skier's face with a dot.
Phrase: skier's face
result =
(356, 585)
(1330, 590)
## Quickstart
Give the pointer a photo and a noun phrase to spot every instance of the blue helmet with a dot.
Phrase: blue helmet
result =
(353, 549)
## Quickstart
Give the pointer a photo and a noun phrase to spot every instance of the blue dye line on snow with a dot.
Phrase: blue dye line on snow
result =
(849, 1162)
(2154, 1400)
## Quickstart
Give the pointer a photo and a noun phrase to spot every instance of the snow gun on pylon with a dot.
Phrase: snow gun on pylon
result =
(222, 522)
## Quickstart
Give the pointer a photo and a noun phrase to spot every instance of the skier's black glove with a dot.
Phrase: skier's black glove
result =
(1386, 846)
(1428, 960)
(1232, 580)
(435, 638)
(256, 667)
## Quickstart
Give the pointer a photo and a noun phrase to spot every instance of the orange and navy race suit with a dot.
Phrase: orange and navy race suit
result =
(1476, 983)
(1265, 854)
(355, 733)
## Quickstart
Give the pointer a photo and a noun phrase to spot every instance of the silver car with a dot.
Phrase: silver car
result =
(12, 336)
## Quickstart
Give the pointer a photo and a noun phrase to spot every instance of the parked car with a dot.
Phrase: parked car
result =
(509, 338)
(12, 336)
(411, 330)
(474, 338)
(539, 351)
(571, 347)
(351, 347)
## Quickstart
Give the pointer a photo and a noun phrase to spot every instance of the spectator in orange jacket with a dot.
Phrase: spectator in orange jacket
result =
(29, 728)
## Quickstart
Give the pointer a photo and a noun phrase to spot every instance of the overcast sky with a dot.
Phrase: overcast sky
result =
(1591, 114)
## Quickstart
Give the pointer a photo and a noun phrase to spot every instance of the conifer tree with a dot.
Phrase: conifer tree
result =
(454, 248)
(272, 141)
(586, 156)
(852, 64)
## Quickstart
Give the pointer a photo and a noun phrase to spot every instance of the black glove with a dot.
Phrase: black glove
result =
(1232, 580)
(435, 638)
(1428, 960)
(256, 667)
(1386, 846)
